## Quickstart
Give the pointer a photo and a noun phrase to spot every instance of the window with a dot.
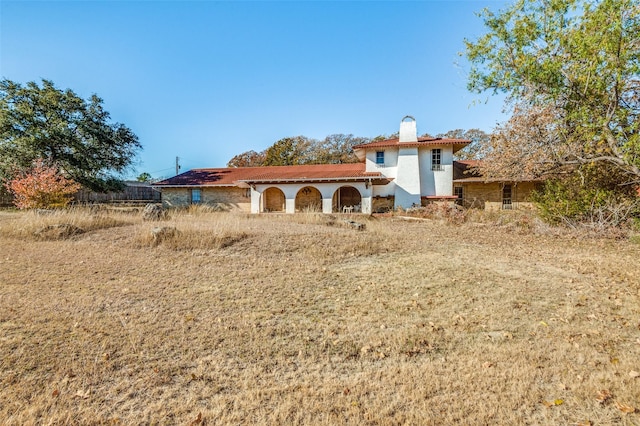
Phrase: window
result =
(458, 192)
(380, 158)
(506, 197)
(436, 160)
(195, 196)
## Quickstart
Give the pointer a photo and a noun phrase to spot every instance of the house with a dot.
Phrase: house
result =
(394, 173)
(475, 191)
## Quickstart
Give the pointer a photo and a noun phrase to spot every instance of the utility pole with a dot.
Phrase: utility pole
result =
(177, 166)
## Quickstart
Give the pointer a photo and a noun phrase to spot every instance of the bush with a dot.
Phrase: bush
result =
(41, 187)
(591, 196)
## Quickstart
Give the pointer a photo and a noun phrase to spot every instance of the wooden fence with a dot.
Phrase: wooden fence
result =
(134, 192)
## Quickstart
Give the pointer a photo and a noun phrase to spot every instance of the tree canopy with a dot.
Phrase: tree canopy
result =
(248, 159)
(333, 149)
(288, 152)
(64, 130)
(473, 151)
(337, 149)
(571, 70)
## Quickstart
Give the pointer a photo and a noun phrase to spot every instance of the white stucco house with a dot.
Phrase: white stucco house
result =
(393, 173)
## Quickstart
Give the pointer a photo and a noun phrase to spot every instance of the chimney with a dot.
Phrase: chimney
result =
(408, 131)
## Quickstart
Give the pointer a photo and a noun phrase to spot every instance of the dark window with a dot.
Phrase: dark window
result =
(195, 196)
(506, 197)
(380, 157)
(436, 160)
(458, 192)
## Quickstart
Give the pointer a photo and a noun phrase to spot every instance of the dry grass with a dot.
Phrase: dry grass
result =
(303, 321)
(29, 225)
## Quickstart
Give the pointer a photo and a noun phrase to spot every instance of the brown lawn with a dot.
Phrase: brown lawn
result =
(300, 320)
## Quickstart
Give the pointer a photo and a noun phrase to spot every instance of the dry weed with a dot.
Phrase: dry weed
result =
(35, 223)
(310, 323)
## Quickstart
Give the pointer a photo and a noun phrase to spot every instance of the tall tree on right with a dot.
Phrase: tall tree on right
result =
(571, 72)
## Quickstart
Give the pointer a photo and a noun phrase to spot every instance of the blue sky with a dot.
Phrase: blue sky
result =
(205, 80)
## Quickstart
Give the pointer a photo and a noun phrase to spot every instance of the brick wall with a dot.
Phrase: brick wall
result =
(175, 197)
(225, 198)
(274, 200)
(309, 200)
(489, 195)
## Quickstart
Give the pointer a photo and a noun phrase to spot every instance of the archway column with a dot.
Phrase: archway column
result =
(290, 205)
(326, 191)
(256, 200)
(327, 205)
(367, 203)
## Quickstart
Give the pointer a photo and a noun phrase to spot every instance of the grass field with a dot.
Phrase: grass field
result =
(297, 319)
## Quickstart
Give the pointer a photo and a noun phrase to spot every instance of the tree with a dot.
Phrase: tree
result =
(571, 71)
(473, 151)
(144, 177)
(41, 186)
(66, 131)
(335, 149)
(248, 159)
(288, 152)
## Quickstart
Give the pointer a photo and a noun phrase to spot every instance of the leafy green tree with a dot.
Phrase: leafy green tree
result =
(571, 71)
(66, 131)
(144, 177)
(592, 196)
(288, 152)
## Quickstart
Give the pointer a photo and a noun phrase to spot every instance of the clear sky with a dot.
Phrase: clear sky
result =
(206, 80)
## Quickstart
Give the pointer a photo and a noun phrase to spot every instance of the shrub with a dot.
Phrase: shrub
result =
(591, 196)
(41, 187)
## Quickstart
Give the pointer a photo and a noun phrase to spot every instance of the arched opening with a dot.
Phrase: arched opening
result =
(309, 199)
(274, 200)
(347, 199)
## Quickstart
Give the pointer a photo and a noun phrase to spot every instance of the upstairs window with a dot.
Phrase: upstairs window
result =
(195, 196)
(436, 160)
(380, 158)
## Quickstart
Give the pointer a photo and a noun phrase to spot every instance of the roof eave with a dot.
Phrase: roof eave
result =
(381, 179)
(193, 185)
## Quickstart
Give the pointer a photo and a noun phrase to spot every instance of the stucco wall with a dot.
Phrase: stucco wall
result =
(225, 198)
(408, 180)
(436, 182)
(389, 168)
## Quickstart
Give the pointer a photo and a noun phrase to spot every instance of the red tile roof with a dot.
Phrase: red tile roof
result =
(273, 174)
(458, 144)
